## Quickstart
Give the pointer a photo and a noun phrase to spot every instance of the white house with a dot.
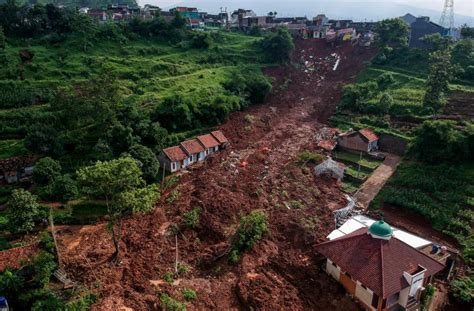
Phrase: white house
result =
(209, 143)
(194, 150)
(384, 268)
(173, 159)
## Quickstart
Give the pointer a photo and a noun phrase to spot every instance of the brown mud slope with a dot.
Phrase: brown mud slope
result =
(282, 271)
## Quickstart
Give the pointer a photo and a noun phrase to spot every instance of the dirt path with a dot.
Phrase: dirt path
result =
(371, 187)
(282, 271)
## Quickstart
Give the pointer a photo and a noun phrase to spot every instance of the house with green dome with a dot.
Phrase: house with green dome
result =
(382, 267)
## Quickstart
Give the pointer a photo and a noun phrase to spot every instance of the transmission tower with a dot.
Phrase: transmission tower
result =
(447, 18)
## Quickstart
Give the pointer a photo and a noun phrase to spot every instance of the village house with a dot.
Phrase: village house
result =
(383, 267)
(194, 150)
(422, 27)
(173, 159)
(209, 143)
(221, 139)
(237, 17)
(15, 169)
(363, 140)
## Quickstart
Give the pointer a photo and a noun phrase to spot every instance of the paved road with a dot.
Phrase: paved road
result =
(377, 180)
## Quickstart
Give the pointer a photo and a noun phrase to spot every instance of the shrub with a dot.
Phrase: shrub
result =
(168, 277)
(278, 45)
(385, 103)
(251, 229)
(355, 96)
(46, 169)
(189, 294)
(385, 80)
(64, 188)
(462, 289)
(43, 267)
(182, 268)
(201, 40)
(309, 156)
(23, 210)
(191, 218)
(171, 304)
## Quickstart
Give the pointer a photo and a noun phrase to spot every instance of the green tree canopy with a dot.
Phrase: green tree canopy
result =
(278, 45)
(23, 209)
(119, 182)
(437, 83)
(46, 170)
(392, 32)
(147, 160)
(440, 141)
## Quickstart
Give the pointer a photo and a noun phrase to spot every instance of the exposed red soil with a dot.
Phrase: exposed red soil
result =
(282, 271)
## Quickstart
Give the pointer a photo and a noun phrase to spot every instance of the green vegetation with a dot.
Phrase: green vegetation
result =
(278, 45)
(463, 289)
(168, 277)
(363, 160)
(441, 193)
(392, 33)
(171, 304)
(191, 218)
(251, 229)
(189, 294)
(310, 157)
(23, 209)
(437, 83)
(119, 182)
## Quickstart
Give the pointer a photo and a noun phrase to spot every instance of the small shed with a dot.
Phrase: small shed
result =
(364, 140)
(330, 168)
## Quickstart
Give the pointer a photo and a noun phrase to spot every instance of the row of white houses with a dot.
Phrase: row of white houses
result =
(192, 151)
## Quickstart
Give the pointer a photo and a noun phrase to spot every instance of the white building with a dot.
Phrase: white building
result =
(384, 268)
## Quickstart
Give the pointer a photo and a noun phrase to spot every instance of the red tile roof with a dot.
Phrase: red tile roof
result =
(376, 263)
(367, 133)
(192, 146)
(220, 137)
(175, 154)
(15, 258)
(208, 141)
(328, 145)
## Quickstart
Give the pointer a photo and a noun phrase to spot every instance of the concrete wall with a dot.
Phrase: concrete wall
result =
(332, 270)
(364, 295)
(404, 296)
(392, 144)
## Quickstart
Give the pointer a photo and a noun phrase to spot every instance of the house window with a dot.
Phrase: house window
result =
(173, 166)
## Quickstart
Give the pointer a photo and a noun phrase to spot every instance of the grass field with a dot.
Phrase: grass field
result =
(148, 71)
(443, 194)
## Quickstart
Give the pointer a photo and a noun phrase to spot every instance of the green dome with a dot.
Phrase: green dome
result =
(381, 228)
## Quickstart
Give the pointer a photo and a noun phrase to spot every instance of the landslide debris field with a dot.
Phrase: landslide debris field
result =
(282, 271)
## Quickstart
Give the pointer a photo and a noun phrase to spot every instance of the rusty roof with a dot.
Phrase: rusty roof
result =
(175, 153)
(220, 137)
(208, 141)
(15, 258)
(376, 263)
(328, 145)
(192, 146)
(368, 134)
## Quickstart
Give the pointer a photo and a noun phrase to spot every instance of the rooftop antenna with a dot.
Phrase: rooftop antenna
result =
(447, 18)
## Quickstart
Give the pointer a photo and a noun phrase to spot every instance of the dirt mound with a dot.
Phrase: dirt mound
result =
(282, 271)
(461, 105)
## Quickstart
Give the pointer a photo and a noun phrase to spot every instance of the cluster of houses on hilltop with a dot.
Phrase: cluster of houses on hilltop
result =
(192, 151)
(319, 27)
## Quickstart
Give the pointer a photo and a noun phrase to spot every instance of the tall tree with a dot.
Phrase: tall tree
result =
(392, 32)
(437, 83)
(23, 208)
(119, 182)
(278, 45)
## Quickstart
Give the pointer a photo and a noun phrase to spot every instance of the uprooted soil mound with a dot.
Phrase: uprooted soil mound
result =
(282, 271)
